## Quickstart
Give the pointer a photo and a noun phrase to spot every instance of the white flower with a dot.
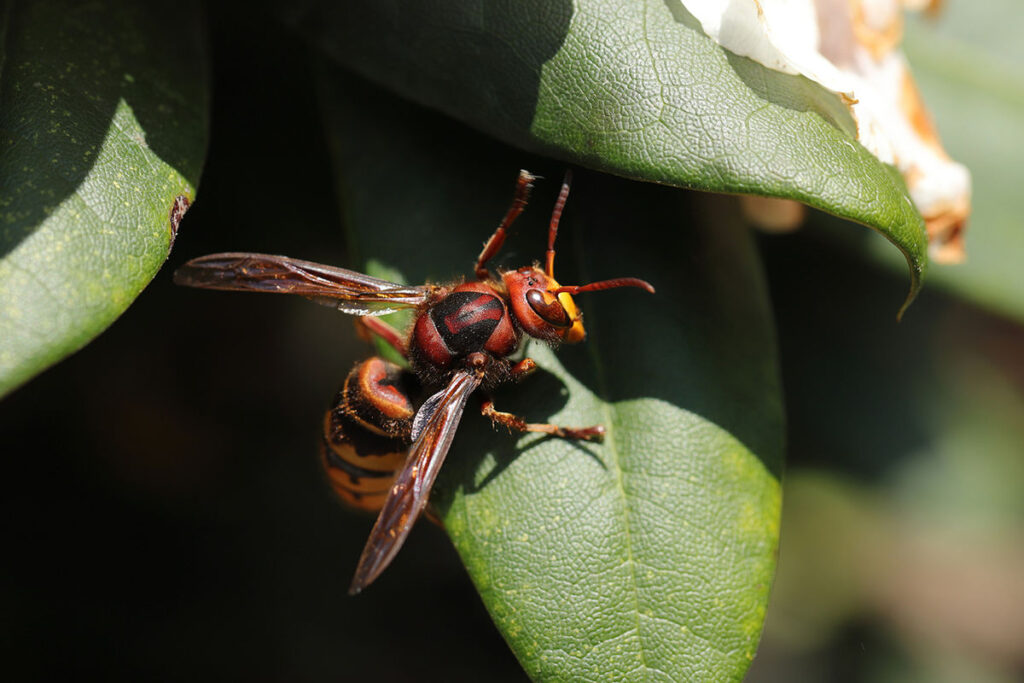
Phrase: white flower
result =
(851, 47)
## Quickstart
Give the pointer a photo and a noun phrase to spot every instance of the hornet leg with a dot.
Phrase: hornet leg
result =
(493, 245)
(368, 325)
(513, 422)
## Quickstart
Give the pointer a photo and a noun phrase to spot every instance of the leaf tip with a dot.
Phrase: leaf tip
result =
(916, 282)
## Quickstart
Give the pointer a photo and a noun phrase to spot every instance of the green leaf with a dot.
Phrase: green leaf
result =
(631, 88)
(968, 65)
(647, 557)
(102, 136)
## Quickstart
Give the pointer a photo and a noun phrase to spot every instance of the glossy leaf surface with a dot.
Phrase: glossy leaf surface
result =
(647, 557)
(631, 88)
(102, 136)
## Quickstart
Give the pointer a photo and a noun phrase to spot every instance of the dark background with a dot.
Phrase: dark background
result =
(165, 516)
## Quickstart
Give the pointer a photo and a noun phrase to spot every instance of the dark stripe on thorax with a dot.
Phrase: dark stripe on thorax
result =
(465, 320)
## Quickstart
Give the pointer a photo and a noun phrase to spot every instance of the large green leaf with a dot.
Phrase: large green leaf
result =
(632, 88)
(647, 557)
(102, 135)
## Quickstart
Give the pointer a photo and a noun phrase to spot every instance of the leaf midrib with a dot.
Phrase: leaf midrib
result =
(613, 452)
(611, 447)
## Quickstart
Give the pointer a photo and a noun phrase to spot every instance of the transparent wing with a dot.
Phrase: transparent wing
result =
(346, 290)
(411, 490)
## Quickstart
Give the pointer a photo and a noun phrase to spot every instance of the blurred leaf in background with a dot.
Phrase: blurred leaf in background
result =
(903, 530)
(970, 68)
(968, 64)
(903, 514)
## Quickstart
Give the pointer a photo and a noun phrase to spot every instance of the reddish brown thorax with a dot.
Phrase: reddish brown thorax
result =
(471, 318)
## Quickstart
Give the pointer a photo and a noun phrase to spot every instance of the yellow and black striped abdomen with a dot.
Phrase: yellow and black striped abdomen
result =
(366, 432)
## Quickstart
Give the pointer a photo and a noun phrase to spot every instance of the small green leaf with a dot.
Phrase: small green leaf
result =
(632, 88)
(102, 136)
(647, 557)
